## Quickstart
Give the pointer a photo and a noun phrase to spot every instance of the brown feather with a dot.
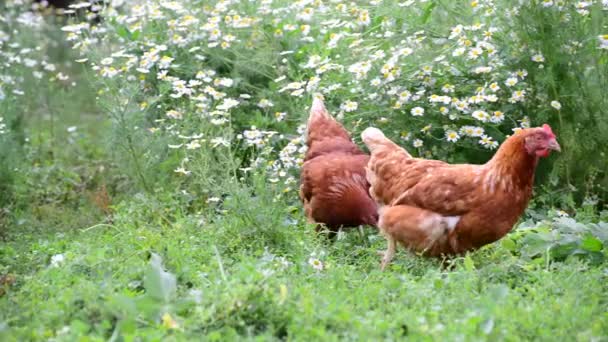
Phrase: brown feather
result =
(482, 202)
(334, 189)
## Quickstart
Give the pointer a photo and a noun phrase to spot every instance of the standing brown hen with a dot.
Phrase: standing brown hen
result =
(333, 188)
(438, 208)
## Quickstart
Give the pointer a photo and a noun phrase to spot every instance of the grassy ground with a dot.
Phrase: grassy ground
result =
(103, 240)
(106, 287)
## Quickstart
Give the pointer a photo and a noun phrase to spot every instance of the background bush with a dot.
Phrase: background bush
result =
(243, 76)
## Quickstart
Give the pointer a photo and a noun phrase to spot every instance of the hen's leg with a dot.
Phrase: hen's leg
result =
(308, 212)
(417, 229)
(390, 251)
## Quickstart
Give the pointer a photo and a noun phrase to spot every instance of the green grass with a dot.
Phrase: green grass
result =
(225, 290)
(224, 253)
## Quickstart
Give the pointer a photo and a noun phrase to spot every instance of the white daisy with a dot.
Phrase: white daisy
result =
(316, 264)
(417, 111)
(452, 136)
(556, 105)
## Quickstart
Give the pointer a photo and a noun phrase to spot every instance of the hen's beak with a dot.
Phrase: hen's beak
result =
(553, 145)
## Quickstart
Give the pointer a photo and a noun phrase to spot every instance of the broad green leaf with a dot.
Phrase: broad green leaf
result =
(569, 224)
(591, 243)
(158, 283)
(600, 231)
(509, 244)
(122, 305)
(563, 250)
(535, 244)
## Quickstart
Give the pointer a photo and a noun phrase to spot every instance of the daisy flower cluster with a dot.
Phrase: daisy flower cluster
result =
(233, 75)
(26, 67)
(24, 42)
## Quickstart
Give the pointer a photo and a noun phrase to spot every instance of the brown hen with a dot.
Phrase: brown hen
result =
(436, 208)
(334, 189)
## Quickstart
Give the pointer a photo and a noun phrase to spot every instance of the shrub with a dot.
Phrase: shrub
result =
(574, 71)
(445, 77)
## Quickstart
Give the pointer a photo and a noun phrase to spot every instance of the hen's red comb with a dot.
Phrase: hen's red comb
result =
(549, 131)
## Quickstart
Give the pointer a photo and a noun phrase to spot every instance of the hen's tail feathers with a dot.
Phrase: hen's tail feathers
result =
(376, 141)
(322, 125)
(318, 111)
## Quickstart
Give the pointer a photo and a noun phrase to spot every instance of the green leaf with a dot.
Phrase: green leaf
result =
(159, 284)
(563, 250)
(79, 326)
(568, 224)
(509, 244)
(135, 34)
(428, 10)
(535, 244)
(150, 308)
(123, 32)
(128, 326)
(469, 265)
(123, 306)
(592, 244)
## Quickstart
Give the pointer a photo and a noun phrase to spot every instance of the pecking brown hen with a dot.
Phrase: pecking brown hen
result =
(437, 208)
(333, 187)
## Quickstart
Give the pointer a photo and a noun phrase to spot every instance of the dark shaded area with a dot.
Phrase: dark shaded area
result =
(62, 7)
(56, 3)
